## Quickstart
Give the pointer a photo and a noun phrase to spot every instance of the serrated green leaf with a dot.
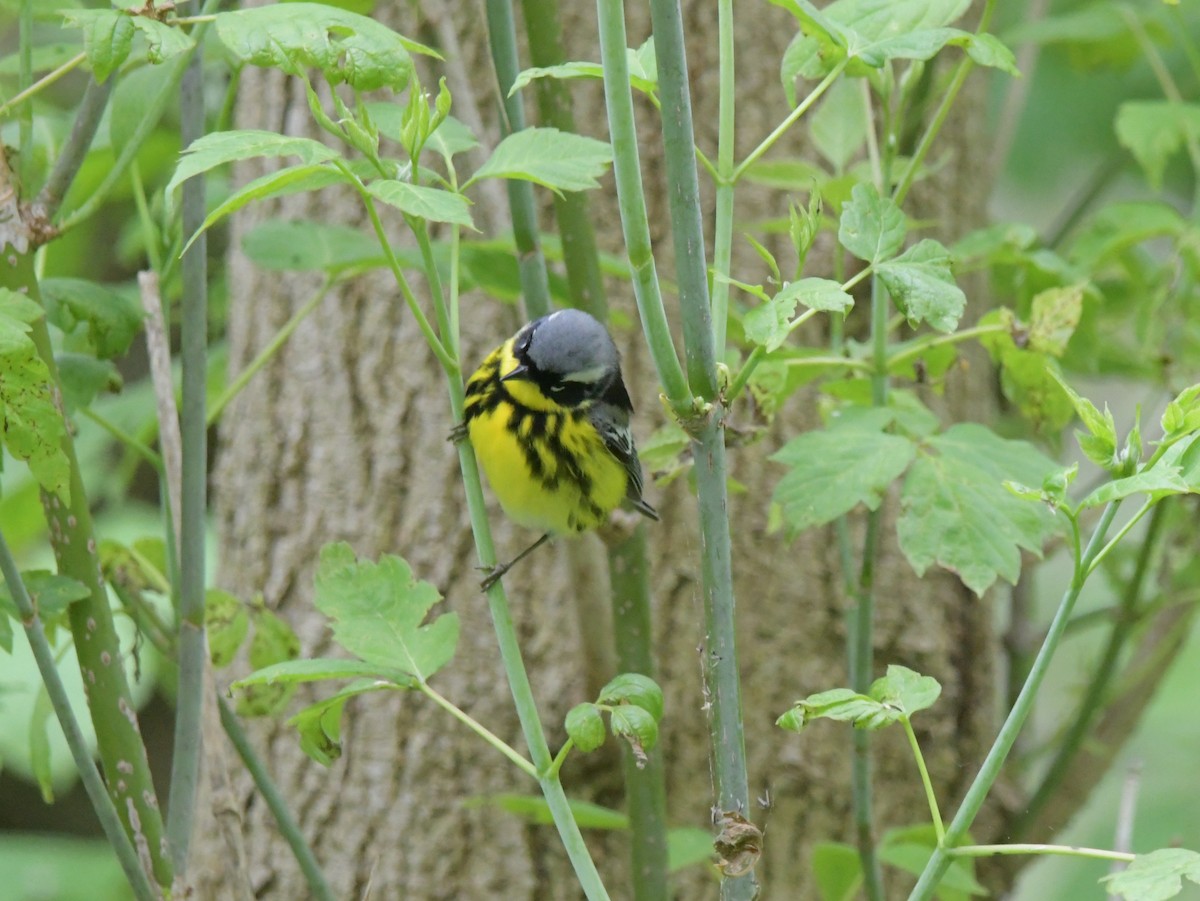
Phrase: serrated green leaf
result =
(1155, 876)
(305, 245)
(1158, 482)
(31, 426)
(165, 41)
(226, 624)
(636, 725)
(906, 688)
(639, 78)
(769, 324)
(221, 147)
(958, 514)
(922, 284)
(1053, 317)
(50, 593)
(1154, 130)
(19, 308)
(107, 38)
(289, 180)
(432, 204)
(872, 227)
(546, 156)
(112, 319)
(346, 47)
(634, 688)
(451, 138)
(585, 727)
(1100, 444)
(834, 470)
(1182, 414)
(378, 610)
(273, 642)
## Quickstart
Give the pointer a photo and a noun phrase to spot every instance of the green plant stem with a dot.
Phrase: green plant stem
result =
(645, 786)
(102, 803)
(42, 83)
(1060, 850)
(631, 200)
(924, 344)
(66, 166)
(479, 729)
(234, 388)
(1121, 533)
(930, 796)
(1122, 625)
(98, 648)
(142, 449)
(723, 213)
(193, 652)
(793, 117)
(289, 829)
(585, 282)
(965, 65)
(502, 39)
(990, 770)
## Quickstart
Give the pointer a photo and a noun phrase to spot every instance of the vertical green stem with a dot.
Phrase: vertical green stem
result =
(645, 787)
(726, 139)
(988, 773)
(632, 203)
(43, 654)
(24, 80)
(185, 767)
(502, 38)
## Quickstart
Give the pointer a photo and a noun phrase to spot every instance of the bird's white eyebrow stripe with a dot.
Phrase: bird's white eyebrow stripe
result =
(592, 374)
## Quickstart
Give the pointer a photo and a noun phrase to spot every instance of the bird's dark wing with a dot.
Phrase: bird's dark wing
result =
(612, 423)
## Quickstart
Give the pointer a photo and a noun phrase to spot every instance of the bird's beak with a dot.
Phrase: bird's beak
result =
(521, 371)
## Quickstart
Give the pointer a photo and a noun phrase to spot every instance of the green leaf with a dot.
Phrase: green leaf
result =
(634, 688)
(922, 285)
(1100, 443)
(346, 47)
(636, 725)
(1155, 876)
(320, 724)
(872, 227)
(107, 37)
(19, 308)
(842, 705)
(1054, 315)
(1117, 227)
(688, 846)
(585, 726)
(905, 688)
(305, 246)
(451, 138)
(554, 159)
(988, 50)
(289, 180)
(432, 204)
(82, 377)
(834, 470)
(1182, 414)
(958, 514)
(226, 624)
(221, 147)
(1159, 481)
(30, 424)
(839, 125)
(642, 65)
(321, 669)
(273, 642)
(1154, 130)
(112, 319)
(912, 857)
(164, 40)
(51, 593)
(770, 323)
(1026, 377)
(378, 609)
(837, 870)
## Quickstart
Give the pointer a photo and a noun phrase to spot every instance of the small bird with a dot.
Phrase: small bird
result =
(548, 415)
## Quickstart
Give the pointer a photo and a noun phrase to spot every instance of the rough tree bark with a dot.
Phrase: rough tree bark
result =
(343, 437)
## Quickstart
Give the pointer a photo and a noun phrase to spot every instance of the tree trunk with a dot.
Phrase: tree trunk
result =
(343, 437)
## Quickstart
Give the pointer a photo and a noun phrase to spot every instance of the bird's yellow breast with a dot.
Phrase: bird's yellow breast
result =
(547, 464)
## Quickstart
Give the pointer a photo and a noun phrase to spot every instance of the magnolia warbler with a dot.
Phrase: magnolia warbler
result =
(548, 416)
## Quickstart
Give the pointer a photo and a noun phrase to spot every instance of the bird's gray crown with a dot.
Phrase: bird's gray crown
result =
(571, 345)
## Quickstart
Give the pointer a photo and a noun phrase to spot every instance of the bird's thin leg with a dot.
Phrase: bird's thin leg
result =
(501, 568)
